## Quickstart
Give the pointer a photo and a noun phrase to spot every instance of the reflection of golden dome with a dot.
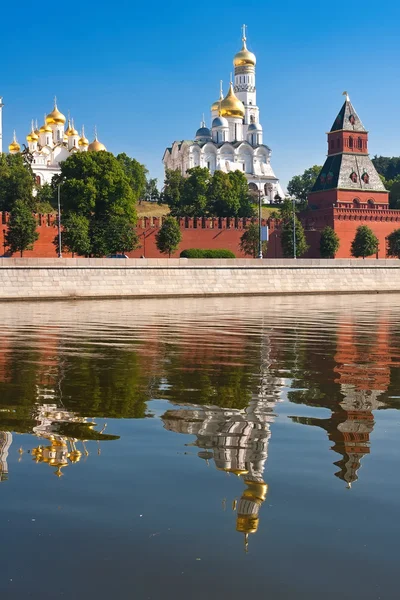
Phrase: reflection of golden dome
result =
(255, 489)
(55, 117)
(231, 106)
(237, 472)
(75, 456)
(244, 57)
(14, 147)
(96, 146)
(247, 523)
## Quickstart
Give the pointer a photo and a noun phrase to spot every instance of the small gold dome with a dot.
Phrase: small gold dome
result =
(96, 146)
(83, 141)
(216, 105)
(71, 129)
(231, 106)
(14, 147)
(55, 117)
(244, 57)
(32, 137)
(45, 129)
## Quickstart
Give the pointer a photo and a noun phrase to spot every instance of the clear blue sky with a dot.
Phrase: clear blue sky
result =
(145, 72)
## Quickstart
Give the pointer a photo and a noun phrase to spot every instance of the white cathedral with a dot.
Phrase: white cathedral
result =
(51, 144)
(235, 141)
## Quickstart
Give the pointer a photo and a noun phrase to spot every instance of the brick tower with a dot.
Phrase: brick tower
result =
(348, 191)
(348, 178)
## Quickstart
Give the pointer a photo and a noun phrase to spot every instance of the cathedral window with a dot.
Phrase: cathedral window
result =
(38, 180)
(359, 143)
(208, 165)
(351, 142)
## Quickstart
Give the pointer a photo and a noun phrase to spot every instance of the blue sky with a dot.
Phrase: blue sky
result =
(145, 72)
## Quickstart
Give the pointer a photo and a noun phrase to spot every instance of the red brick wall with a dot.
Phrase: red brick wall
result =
(196, 233)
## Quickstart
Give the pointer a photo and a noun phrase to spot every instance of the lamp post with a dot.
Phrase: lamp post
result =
(260, 254)
(294, 229)
(59, 221)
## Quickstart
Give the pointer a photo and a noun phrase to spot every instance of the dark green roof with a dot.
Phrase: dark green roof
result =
(348, 119)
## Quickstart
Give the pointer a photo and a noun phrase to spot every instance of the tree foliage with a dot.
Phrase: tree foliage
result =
(45, 199)
(136, 174)
(151, 193)
(329, 243)
(394, 243)
(201, 194)
(21, 234)
(75, 236)
(287, 240)
(365, 242)
(169, 236)
(16, 181)
(250, 240)
(301, 185)
(95, 184)
(388, 167)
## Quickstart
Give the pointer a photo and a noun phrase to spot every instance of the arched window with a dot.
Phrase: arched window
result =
(38, 180)
(351, 142)
(356, 203)
(359, 143)
(371, 203)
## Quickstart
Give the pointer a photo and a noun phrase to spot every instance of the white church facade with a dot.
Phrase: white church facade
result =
(48, 146)
(235, 140)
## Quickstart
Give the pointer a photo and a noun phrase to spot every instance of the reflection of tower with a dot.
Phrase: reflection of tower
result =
(5, 443)
(363, 374)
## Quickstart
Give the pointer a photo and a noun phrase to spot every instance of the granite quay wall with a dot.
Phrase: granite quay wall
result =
(28, 279)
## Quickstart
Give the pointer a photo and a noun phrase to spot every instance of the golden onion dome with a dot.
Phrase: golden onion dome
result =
(244, 57)
(55, 117)
(32, 137)
(71, 131)
(231, 106)
(45, 129)
(216, 105)
(83, 141)
(96, 146)
(14, 146)
(37, 130)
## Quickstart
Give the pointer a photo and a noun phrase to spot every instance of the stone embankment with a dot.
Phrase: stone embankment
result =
(32, 279)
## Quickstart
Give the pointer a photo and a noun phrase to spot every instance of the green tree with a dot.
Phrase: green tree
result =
(388, 167)
(136, 174)
(194, 196)
(249, 241)
(45, 199)
(95, 185)
(287, 241)
(222, 200)
(169, 236)
(75, 236)
(120, 235)
(151, 193)
(394, 243)
(16, 181)
(241, 190)
(365, 242)
(329, 243)
(301, 185)
(21, 234)
(172, 192)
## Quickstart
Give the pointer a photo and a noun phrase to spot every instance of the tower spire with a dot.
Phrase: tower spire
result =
(347, 96)
(244, 38)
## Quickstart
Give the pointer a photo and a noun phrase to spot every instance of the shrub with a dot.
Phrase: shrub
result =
(211, 253)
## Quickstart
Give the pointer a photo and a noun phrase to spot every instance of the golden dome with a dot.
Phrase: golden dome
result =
(231, 106)
(83, 141)
(45, 129)
(55, 117)
(37, 130)
(96, 146)
(216, 104)
(244, 57)
(32, 137)
(14, 147)
(71, 129)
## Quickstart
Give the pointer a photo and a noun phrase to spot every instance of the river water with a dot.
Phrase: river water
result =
(200, 448)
